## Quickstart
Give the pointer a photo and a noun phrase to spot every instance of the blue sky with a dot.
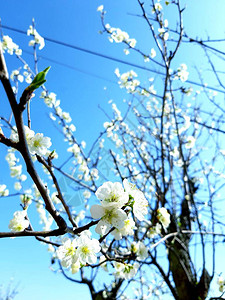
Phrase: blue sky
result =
(91, 83)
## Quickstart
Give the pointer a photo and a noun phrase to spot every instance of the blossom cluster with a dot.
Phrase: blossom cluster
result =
(37, 39)
(125, 271)
(140, 250)
(80, 162)
(182, 73)
(9, 46)
(15, 168)
(78, 252)
(16, 76)
(19, 221)
(37, 143)
(221, 283)
(114, 198)
(3, 191)
(127, 80)
(119, 36)
(163, 216)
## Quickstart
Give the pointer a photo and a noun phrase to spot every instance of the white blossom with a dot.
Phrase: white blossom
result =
(126, 271)
(221, 283)
(87, 249)
(39, 144)
(9, 46)
(142, 251)
(119, 36)
(87, 194)
(50, 99)
(67, 252)
(153, 53)
(157, 7)
(140, 205)
(3, 190)
(75, 267)
(37, 38)
(154, 230)
(109, 216)
(19, 223)
(182, 73)
(102, 262)
(75, 149)
(127, 229)
(112, 194)
(15, 75)
(28, 134)
(100, 8)
(15, 171)
(190, 142)
(163, 216)
(11, 158)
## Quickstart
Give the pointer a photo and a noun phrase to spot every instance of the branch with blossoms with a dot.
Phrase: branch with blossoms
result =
(140, 227)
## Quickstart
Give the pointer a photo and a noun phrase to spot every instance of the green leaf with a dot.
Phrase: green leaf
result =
(38, 80)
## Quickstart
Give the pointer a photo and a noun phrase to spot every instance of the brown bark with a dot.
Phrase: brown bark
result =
(180, 264)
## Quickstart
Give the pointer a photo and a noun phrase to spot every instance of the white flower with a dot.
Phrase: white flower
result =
(130, 188)
(28, 133)
(87, 249)
(87, 194)
(16, 76)
(39, 144)
(132, 43)
(127, 81)
(153, 231)
(221, 283)
(126, 271)
(9, 46)
(112, 194)
(26, 198)
(127, 229)
(190, 142)
(157, 7)
(23, 177)
(163, 216)
(37, 38)
(3, 190)
(142, 251)
(19, 223)
(75, 267)
(110, 216)
(11, 158)
(182, 73)
(119, 36)
(66, 117)
(103, 263)
(50, 99)
(94, 173)
(153, 53)
(15, 171)
(75, 149)
(100, 8)
(67, 252)
(119, 267)
(140, 205)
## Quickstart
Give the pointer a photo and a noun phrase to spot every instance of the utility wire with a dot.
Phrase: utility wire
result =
(108, 57)
(71, 67)
(85, 50)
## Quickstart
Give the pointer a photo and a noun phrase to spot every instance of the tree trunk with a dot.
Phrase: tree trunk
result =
(180, 264)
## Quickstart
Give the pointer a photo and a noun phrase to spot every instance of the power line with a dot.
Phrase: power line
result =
(107, 57)
(85, 50)
(71, 67)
